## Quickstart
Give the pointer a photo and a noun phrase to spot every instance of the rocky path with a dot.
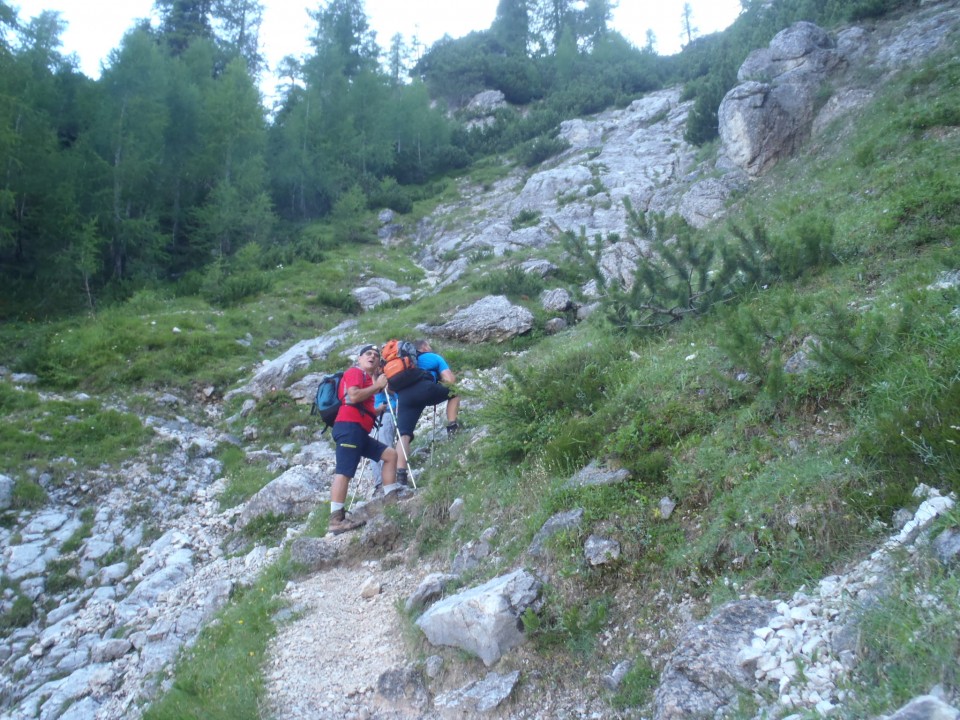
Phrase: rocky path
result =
(326, 663)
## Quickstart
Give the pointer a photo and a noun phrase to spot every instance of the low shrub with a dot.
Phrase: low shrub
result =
(573, 628)
(525, 218)
(20, 614)
(637, 686)
(534, 152)
(512, 282)
(390, 194)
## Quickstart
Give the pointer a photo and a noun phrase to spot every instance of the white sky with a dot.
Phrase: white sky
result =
(95, 27)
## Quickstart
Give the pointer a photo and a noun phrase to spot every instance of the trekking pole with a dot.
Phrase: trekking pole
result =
(359, 479)
(433, 435)
(400, 439)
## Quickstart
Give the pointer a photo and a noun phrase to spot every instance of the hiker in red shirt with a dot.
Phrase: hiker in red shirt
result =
(351, 432)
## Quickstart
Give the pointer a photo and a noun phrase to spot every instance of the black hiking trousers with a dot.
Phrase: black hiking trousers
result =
(412, 400)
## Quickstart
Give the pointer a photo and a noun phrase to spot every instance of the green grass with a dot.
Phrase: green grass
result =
(524, 219)
(219, 677)
(75, 541)
(20, 615)
(164, 339)
(637, 687)
(27, 494)
(512, 282)
(778, 478)
(571, 627)
(276, 414)
(910, 637)
(244, 479)
(488, 171)
(60, 435)
(62, 576)
(269, 529)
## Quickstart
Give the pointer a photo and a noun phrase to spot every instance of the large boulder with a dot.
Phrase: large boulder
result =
(430, 588)
(582, 133)
(485, 620)
(543, 188)
(703, 677)
(706, 201)
(380, 290)
(556, 300)
(618, 263)
(770, 113)
(800, 52)
(926, 707)
(295, 493)
(492, 319)
(486, 102)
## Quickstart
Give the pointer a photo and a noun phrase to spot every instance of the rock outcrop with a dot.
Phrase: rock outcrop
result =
(786, 91)
(492, 319)
(484, 620)
(769, 114)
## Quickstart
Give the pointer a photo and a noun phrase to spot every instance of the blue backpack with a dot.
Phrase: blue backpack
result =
(327, 402)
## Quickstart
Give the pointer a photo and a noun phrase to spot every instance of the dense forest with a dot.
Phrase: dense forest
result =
(168, 171)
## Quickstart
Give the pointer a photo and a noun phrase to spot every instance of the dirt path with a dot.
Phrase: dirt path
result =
(325, 663)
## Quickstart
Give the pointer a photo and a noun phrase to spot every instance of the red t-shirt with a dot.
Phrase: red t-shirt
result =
(355, 377)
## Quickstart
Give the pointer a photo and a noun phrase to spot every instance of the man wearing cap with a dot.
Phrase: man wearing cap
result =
(351, 433)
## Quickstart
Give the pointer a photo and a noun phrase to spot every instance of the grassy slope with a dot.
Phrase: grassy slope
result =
(779, 479)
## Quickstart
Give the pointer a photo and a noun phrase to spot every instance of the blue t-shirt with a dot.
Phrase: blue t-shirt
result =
(381, 399)
(432, 362)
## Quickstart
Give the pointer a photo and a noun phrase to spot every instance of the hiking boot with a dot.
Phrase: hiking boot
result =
(402, 479)
(453, 428)
(339, 523)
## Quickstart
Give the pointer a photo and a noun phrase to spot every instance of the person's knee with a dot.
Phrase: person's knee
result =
(389, 456)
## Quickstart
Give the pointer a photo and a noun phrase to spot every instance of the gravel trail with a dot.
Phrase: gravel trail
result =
(326, 662)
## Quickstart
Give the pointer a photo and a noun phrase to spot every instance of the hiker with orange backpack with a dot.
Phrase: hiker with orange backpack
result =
(438, 368)
(351, 433)
(417, 386)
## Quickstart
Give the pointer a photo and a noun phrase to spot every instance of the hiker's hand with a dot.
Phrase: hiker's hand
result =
(381, 381)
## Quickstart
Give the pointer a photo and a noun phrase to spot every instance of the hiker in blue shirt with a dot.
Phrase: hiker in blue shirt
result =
(433, 389)
(386, 433)
(428, 360)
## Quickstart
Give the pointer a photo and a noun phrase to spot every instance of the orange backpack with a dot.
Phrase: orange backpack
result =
(399, 361)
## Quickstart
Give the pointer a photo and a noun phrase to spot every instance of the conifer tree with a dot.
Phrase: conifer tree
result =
(183, 21)
(237, 26)
(511, 26)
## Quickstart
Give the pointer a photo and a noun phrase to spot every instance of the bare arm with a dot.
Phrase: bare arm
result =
(356, 395)
(447, 377)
